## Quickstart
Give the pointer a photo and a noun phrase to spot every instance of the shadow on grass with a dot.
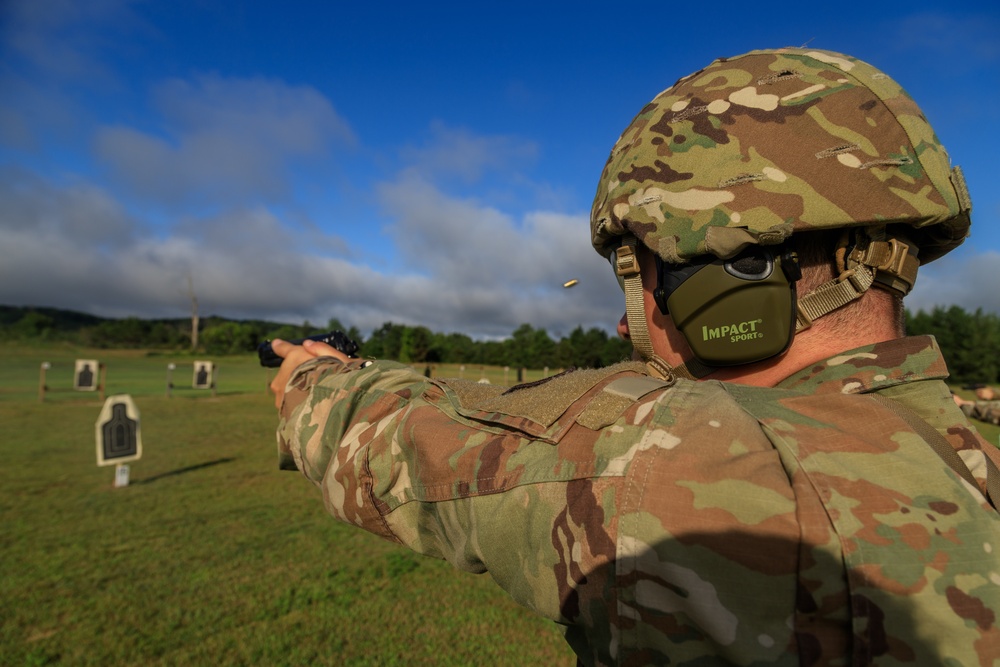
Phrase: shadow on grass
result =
(182, 471)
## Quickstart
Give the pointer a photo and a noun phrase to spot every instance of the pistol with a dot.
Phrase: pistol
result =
(336, 339)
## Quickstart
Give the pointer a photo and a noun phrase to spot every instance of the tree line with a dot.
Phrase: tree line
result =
(970, 341)
(526, 347)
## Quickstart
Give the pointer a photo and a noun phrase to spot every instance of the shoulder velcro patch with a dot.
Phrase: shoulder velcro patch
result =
(618, 395)
(634, 388)
(536, 408)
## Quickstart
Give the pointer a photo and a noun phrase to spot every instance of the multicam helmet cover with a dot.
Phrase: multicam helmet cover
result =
(756, 147)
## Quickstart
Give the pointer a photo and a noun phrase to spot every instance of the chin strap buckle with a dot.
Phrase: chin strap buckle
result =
(626, 263)
(894, 262)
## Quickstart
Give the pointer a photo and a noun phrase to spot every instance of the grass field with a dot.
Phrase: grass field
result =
(211, 556)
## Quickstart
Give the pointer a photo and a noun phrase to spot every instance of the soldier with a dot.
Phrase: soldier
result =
(816, 498)
(985, 409)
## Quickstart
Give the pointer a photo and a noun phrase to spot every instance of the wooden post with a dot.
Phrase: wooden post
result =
(41, 381)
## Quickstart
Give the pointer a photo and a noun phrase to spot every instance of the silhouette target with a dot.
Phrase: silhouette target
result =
(120, 434)
(119, 437)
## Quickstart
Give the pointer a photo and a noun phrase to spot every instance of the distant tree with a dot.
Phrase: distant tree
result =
(285, 332)
(230, 338)
(531, 348)
(195, 318)
(32, 326)
(583, 349)
(456, 348)
(543, 350)
(615, 351)
(294, 332)
(969, 341)
(164, 335)
(493, 353)
(130, 332)
(415, 345)
(519, 347)
(386, 342)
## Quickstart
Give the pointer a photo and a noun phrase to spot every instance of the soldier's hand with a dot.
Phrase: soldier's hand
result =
(294, 356)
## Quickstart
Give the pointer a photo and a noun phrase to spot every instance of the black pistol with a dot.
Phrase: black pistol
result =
(336, 339)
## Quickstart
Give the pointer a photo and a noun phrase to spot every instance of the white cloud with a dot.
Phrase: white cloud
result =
(60, 38)
(75, 215)
(964, 278)
(225, 141)
(459, 152)
(297, 119)
(495, 271)
(75, 247)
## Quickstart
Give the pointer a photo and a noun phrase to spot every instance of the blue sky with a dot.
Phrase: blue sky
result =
(420, 163)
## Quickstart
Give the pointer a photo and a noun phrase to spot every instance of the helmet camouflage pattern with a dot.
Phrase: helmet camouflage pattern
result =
(756, 147)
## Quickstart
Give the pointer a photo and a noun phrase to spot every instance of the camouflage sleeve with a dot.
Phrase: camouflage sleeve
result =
(305, 396)
(484, 487)
(583, 498)
(392, 456)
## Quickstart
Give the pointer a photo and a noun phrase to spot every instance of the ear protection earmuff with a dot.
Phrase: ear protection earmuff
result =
(733, 311)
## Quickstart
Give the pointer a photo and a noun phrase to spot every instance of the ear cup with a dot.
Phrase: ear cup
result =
(669, 277)
(735, 312)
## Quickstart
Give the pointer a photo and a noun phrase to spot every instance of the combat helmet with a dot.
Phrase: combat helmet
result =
(736, 158)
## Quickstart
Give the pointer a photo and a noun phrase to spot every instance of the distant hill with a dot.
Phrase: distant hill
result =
(61, 320)
(41, 324)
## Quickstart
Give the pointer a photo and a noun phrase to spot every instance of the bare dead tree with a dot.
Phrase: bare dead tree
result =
(194, 313)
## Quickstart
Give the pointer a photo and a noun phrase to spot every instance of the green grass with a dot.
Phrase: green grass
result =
(135, 372)
(211, 556)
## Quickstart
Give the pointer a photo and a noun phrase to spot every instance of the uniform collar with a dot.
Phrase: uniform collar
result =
(872, 367)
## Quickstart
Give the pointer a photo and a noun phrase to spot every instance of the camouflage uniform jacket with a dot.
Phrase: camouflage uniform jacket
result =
(698, 523)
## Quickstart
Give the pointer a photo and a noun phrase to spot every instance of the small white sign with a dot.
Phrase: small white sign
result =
(121, 475)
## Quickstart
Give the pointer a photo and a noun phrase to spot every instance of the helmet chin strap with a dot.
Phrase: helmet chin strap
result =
(692, 369)
(874, 259)
(627, 268)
